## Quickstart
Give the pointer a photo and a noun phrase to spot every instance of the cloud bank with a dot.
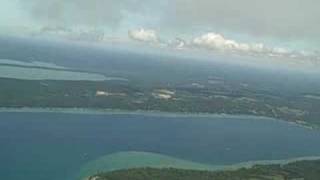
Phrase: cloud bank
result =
(92, 13)
(214, 42)
(282, 19)
(287, 19)
(285, 28)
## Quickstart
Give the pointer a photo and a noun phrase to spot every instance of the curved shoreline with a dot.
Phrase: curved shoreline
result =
(177, 163)
(234, 166)
(96, 111)
(152, 113)
(250, 164)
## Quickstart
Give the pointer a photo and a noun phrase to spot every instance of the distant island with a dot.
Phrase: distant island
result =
(128, 96)
(65, 79)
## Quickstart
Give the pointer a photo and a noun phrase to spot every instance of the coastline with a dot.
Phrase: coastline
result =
(228, 169)
(250, 164)
(183, 164)
(152, 113)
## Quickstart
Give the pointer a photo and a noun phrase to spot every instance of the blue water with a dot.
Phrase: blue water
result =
(54, 146)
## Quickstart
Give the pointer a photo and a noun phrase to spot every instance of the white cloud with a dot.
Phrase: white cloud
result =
(219, 42)
(285, 19)
(214, 41)
(144, 35)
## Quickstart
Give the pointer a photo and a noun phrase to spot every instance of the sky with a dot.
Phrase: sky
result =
(289, 28)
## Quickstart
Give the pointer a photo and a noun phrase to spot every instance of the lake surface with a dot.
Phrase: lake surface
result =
(37, 70)
(30, 64)
(55, 146)
(28, 73)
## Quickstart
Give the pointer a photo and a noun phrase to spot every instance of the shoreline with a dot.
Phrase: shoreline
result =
(209, 167)
(250, 164)
(234, 167)
(92, 111)
(100, 111)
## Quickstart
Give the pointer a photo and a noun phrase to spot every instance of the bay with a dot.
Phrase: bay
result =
(56, 146)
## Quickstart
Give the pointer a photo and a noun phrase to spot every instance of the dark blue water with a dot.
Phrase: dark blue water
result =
(53, 146)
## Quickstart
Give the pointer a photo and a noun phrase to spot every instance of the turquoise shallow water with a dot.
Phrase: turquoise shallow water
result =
(55, 146)
(29, 73)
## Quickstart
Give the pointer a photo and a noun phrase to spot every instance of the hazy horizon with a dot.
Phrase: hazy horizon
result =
(286, 32)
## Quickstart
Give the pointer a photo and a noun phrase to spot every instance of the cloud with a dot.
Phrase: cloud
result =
(151, 37)
(218, 43)
(214, 41)
(144, 35)
(292, 23)
(94, 13)
(286, 19)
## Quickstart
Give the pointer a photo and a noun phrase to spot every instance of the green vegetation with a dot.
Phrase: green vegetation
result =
(117, 94)
(303, 170)
(199, 86)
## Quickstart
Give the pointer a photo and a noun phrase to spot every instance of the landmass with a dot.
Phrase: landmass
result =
(53, 75)
(302, 170)
(122, 161)
(188, 98)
